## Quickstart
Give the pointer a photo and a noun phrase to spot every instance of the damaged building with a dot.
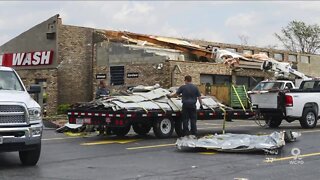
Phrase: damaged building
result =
(68, 61)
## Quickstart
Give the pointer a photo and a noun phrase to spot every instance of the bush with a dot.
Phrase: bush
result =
(63, 108)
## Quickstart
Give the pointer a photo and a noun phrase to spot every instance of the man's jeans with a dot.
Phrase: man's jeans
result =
(189, 114)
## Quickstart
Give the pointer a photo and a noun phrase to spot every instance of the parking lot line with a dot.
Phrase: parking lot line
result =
(292, 157)
(208, 153)
(117, 141)
(310, 131)
(153, 146)
(60, 138)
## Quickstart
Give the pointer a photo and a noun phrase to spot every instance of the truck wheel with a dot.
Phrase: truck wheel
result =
(309, 118)
(163, 128)
(141, 128)
(273, 121)
(30, 157)
(121, 131)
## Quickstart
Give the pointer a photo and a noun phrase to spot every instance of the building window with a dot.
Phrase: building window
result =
(231, 49)
(242, 80)
(278, 56)
(253, 81)
(248, 51)
(292, 58)
(249, 82)
(264, 52)
(305, 59)
(206, 79)
(221, 79)
(117, 75)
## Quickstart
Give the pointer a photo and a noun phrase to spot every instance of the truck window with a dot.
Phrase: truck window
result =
(9, 81)
(307, 85)
(288, 86)
(268, 86)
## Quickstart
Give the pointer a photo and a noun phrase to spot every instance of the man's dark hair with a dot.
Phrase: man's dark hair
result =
(188, 78)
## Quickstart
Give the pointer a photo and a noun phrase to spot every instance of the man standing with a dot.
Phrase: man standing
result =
(190, 94)
(102, 90)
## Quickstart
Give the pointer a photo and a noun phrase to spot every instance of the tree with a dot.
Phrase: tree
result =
(297, 36)
(243, 39)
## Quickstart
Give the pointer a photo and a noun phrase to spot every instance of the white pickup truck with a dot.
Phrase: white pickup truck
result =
(20, 118)
(303, 103)
(286, 102)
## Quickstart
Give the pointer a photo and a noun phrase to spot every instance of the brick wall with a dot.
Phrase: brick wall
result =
(194, 69)
(30, 76)
(75, 68)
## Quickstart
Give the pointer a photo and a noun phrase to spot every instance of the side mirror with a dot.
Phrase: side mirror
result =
(34, 89)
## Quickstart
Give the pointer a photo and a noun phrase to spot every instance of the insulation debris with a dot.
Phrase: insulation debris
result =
(144, 98)
(70, 128)
(238, 142)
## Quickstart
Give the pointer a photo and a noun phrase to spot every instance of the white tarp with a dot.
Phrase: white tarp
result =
(152, 98)
(237, 142)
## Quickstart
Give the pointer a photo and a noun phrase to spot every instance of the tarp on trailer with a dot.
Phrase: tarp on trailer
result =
(146, 98)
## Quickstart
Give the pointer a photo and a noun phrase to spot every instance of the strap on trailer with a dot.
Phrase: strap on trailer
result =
(153, 102)
(136, 103)
(250, 103)
(175, 104)
(224, 119)
(208, 106)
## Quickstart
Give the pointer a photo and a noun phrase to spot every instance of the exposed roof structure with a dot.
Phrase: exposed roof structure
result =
(173, 45)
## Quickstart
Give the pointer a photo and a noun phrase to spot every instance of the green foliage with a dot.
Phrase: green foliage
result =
(62, 108)
(297, 36)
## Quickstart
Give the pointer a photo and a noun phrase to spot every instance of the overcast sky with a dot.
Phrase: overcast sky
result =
(218, 21)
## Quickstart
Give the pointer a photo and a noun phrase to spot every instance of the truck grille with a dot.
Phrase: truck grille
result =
(11, 108)
(12, 114)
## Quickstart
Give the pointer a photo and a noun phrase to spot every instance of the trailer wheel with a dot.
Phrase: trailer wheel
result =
(309, 118)
(273, 121)
(178, 127)
(141, 128)
(121, 131)
(163, 128)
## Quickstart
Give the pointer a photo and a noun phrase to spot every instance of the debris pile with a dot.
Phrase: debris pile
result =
(174, 48)
(144, 98)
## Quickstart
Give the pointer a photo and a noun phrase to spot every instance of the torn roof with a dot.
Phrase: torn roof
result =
(173, 47)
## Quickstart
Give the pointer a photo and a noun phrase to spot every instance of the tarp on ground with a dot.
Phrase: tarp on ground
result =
(237, 142)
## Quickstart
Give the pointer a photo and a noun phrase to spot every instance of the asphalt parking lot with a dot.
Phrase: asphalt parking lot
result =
(134, 157)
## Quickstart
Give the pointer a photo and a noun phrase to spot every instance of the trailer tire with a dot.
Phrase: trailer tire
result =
(178, 127)
(141, 128)
(309, 118)
(163, 128)
(30, 157)
(273, 121)
(121, 131)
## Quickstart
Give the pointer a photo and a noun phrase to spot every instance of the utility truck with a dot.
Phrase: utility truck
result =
(278, 100)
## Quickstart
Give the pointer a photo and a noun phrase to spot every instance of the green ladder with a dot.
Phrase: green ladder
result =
(239, 98)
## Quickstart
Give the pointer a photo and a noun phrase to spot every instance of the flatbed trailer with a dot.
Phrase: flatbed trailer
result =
(162, 122)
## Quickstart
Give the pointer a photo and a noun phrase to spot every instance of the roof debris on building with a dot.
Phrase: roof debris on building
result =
(174, 47)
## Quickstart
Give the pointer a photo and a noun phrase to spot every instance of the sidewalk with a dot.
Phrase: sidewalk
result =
(55, 121)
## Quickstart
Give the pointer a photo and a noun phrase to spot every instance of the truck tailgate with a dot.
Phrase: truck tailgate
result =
(268, 100)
